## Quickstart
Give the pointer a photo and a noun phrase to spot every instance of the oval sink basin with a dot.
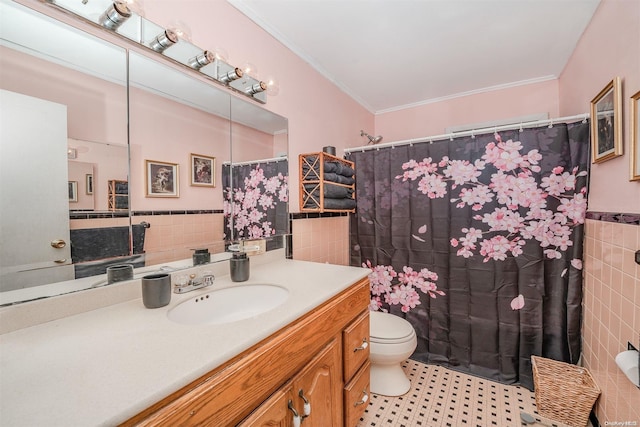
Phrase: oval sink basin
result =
(229, 304)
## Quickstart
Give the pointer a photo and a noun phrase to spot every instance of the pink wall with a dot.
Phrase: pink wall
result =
(321, 240)
(110, 163)
(432, 119)
(251, 144)
(319, 113)
(611, 315)
(161, 130)
(97, 110)
(609, 47)
(167, 131)
(78, 172)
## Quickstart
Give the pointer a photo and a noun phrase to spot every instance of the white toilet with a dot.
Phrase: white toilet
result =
(393, 340)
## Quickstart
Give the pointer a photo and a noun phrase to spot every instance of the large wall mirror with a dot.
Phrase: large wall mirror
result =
(112, 165)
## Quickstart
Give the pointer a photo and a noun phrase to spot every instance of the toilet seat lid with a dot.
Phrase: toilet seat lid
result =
(387, 327)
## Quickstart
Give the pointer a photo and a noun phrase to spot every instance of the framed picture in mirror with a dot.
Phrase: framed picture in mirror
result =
(635, 137)
(73, 191)
(162, 179)
(606, 122)
(89, 183)
(203, 170)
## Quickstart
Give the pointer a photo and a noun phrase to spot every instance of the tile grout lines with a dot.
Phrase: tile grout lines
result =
(440, 397)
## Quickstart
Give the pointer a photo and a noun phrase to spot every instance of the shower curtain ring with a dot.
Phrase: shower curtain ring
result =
(550, 123)
(520, 130)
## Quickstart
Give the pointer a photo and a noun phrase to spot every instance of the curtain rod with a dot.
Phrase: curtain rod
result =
(472, 132)
(250, 162)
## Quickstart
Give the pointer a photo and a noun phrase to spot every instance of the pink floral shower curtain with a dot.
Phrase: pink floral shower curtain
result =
(256, 199)
(478, 243)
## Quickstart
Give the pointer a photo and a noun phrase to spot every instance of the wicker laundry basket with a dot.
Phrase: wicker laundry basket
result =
(564, 392)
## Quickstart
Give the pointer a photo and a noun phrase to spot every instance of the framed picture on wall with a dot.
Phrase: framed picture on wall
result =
(635, 137)
(89, 183)
(73, 191)
(203, 170)
(606, 122)
(162, 179)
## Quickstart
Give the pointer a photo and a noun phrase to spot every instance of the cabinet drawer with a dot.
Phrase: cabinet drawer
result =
(355, 346)
(356, 396)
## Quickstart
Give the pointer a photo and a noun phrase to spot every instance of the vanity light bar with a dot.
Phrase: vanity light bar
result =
(119, 11)
(164, 40)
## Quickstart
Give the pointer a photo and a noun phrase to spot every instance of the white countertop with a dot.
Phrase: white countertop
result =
(104, 366)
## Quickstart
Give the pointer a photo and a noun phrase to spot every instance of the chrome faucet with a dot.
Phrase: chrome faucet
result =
(183, 285)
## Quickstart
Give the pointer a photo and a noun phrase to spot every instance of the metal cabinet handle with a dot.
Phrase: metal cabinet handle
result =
(364, 345)
(365, 398)
(307, 405)
(58, 243)
(296, 417)
(60, 261)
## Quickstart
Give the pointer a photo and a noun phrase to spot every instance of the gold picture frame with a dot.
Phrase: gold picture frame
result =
(606, 122)
(634, 132)
(162, 179)
(203, 170)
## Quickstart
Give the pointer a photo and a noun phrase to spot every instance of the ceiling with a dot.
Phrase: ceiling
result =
(394, 54)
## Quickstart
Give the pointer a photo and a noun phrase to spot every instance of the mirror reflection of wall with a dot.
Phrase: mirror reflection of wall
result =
(82, 174)
(176, 115)
(108, 162)
(90, 90)
(256, 182)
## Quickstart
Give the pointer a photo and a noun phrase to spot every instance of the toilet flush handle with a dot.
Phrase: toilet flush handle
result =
(364, 345)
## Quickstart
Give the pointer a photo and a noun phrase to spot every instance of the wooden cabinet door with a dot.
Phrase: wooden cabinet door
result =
(320, 384)
(274, 412)
(356, 396)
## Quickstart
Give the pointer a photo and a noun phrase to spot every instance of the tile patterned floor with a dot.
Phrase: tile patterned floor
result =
(440, 397)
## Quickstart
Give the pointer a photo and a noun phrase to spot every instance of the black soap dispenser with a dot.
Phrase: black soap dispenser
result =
(239, 266)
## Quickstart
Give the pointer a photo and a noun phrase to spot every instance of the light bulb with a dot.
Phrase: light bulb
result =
(136, 6)
(273, 87)
(221, 54)
(250, 69)
(182, 29)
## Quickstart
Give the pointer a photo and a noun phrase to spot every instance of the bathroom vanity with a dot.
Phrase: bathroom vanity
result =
(126, 365)
(311, 360)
